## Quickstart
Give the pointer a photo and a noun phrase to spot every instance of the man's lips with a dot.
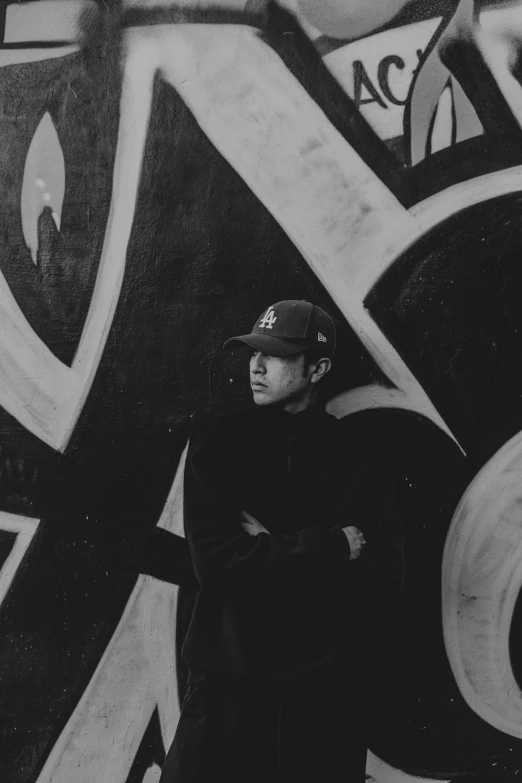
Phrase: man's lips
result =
(256, 385)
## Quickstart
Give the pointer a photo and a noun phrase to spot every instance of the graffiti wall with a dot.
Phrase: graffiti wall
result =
(167, 169)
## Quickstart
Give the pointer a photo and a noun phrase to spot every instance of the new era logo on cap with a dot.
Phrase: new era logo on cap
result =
(321, 338)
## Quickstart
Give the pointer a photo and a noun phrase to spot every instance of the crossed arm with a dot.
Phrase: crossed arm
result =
(355, 538)
(226, 544)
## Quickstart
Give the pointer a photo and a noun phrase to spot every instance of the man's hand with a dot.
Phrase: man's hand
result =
(356, 540)
(250, 524)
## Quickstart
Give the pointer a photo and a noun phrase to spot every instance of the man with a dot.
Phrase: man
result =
(277, 512)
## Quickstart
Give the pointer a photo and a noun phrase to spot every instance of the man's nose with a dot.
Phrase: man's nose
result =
(256, 363)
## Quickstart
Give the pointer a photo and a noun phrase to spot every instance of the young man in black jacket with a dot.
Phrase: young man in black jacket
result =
(277, 511)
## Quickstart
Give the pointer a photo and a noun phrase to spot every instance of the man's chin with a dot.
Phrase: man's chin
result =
(260, 398)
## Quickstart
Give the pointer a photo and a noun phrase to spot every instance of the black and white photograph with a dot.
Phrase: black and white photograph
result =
(261, 391)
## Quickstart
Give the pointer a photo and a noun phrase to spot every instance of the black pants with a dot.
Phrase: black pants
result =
(306, 732)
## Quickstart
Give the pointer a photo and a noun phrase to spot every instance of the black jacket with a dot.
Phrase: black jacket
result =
(280, 605)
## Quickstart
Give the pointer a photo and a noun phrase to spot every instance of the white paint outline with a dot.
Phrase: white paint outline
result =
(25, 22)
(429, 214)
(20, 56)
(34, 197)
(36, 388)
(25, 528)
(65, 27)
(383, 773)
(364, 397)
(139, 659)
(434, 210)
(481, 580)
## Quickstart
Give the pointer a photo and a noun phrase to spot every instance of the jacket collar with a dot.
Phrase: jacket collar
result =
(314, 416)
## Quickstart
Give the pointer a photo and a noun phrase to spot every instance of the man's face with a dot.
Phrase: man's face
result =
(281, 381)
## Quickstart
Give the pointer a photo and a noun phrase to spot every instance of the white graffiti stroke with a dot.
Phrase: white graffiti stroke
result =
(39, 390)
(136, 675)
(24, 528)
(481, 580)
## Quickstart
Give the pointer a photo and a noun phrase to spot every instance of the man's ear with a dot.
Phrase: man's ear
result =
(322, 366)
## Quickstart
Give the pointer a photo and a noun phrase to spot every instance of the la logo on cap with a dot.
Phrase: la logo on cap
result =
(321, 338)
(269, 319)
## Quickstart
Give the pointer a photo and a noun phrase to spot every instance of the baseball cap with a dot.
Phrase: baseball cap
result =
(289, 327)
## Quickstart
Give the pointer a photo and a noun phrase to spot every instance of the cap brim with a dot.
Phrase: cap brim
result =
(272, 346)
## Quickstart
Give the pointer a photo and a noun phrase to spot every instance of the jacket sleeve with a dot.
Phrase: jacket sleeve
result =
(221, 549)
(377, 577)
